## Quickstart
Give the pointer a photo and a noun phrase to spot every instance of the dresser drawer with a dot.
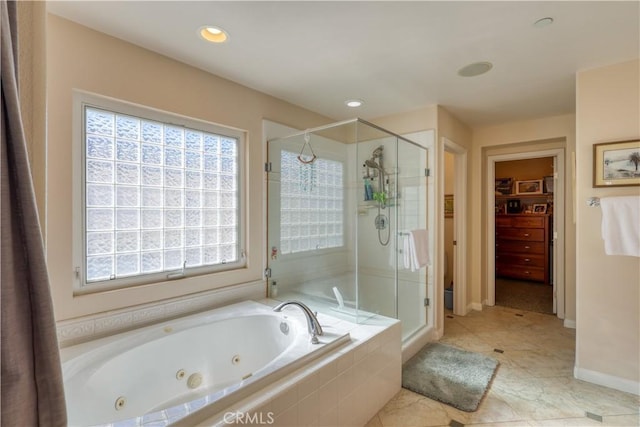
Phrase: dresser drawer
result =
(519, 272)
(523, 247)
(524, 260)
(503, 221)
(530, 234)
(528, 221)
(521, 221)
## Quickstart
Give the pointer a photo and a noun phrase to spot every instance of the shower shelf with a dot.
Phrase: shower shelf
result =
(373, 204)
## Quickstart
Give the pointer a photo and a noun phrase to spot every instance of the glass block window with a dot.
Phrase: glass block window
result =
(157, 197)
(311, 204)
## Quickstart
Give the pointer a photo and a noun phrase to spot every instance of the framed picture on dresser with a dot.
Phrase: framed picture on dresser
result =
(532, 186)
(539, 208)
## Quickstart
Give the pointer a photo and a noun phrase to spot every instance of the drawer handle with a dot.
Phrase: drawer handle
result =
(526, 234)
(527, 260)
(526, 272)
(527, 247)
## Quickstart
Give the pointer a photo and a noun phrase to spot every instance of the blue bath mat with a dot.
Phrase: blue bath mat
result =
(449, 375)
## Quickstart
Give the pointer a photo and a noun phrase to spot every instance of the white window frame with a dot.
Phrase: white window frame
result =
(83, 99)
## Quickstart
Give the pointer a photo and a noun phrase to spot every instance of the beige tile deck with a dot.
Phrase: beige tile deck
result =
(534, 384)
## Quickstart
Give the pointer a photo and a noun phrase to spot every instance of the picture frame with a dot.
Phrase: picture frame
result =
(504, 186)
(616, 164)
(539, 208)
(448, 205)
(532, 186)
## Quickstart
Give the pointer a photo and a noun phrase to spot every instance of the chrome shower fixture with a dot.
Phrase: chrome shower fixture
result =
(377, 152)
(371, 163)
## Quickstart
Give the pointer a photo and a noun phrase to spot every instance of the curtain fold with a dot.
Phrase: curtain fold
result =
(32, 391)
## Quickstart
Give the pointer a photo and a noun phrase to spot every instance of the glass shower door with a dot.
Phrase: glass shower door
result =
(412, 215)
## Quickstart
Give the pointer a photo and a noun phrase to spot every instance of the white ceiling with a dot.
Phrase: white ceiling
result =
(396, 56)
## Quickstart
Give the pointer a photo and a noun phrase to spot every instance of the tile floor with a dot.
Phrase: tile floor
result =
(524, 295)
(534, 384)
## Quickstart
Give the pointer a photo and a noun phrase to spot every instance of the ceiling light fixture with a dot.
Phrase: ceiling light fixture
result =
(475, 69)
(213, 34)
(543, 22)
(353, 103)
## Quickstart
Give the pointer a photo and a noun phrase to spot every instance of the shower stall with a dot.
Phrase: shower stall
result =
(342, 202)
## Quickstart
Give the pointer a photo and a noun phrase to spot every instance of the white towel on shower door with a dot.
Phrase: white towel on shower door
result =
(406, 251)
(419, 249)
(621, 225)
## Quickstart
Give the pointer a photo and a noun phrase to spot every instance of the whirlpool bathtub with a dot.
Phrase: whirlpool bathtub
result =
(167, 371)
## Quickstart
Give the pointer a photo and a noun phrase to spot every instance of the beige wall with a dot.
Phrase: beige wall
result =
(608, 297)
(521, 170)
(80, 58)
(517, 137)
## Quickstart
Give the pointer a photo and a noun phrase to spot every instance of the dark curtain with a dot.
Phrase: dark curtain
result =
(31, 378)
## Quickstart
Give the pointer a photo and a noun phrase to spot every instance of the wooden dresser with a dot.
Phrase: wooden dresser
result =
(523, 246)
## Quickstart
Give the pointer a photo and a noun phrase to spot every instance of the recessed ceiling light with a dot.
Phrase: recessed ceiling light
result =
(213, 34)
(353, 103)
(475, 69)
(543, 22)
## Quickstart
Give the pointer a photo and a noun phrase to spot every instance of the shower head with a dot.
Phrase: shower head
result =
(377, 152)
(372, 164)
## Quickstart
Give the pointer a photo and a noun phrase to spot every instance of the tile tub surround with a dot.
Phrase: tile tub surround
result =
(534, 385)
(345, 388)
(87, 328)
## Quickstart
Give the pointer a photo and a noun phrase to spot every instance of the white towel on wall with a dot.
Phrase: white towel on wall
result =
(621, 225)
(419, 249)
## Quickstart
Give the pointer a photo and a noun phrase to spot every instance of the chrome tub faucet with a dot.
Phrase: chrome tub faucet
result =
(313, 325)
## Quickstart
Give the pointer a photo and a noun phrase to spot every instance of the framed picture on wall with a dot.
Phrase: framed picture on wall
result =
(533, 186)
(504, 186)
(448, 205)
(616, 164)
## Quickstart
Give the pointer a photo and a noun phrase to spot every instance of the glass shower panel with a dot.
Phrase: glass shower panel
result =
(412, 215)
(377, 222)
(340, 205)
(309, 232)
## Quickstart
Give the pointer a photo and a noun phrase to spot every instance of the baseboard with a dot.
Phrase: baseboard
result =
(474, 306)
(606, 380)
(568, 323)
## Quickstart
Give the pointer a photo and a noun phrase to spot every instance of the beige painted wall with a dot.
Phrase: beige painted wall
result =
(521, 170)
(80, 58)
(608, 297)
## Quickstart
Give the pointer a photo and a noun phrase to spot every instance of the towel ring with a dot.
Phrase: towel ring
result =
(313, 155)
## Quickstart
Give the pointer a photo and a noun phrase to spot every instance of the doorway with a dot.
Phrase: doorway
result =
(532, 207)
(458, 218)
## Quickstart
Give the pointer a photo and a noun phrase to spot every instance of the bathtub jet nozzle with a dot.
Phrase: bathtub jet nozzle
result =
(313, 325)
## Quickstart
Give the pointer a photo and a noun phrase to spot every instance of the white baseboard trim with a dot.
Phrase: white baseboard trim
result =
(606, 380)
(474, 306)
(568, 323)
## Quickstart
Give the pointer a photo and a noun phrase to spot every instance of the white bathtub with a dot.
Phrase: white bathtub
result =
(164, 372)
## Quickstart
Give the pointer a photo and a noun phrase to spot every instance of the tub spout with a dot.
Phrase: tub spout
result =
(312, 321)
